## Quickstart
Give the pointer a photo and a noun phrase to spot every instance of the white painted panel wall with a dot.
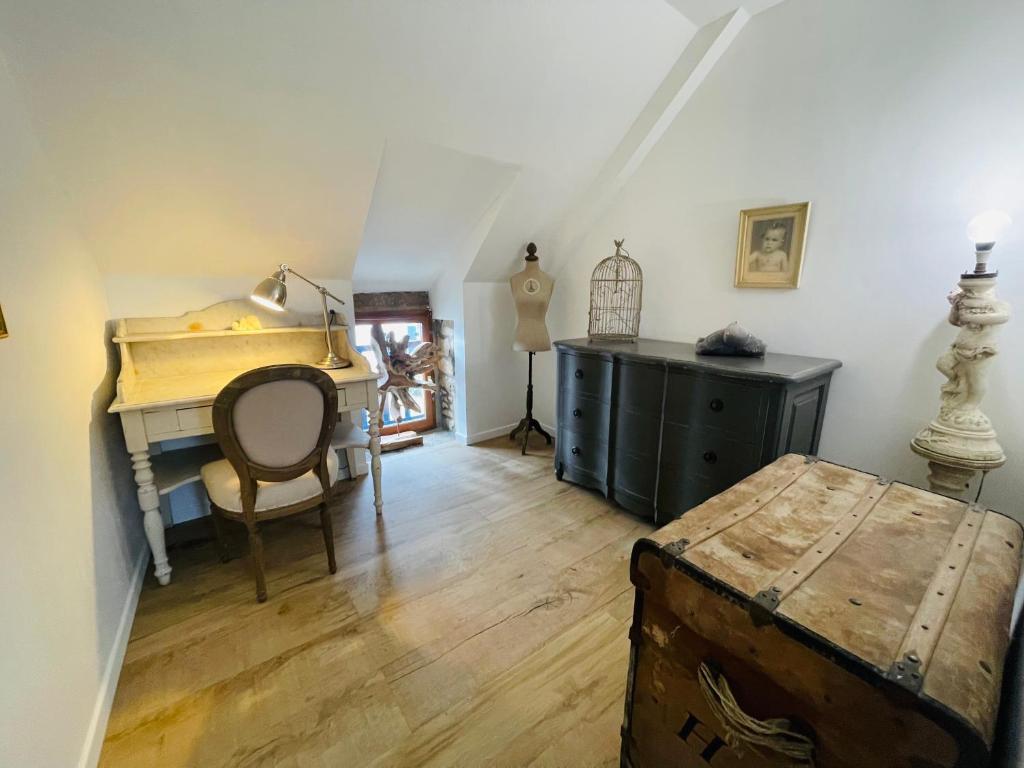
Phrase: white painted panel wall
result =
(70, 533)
(899, 121)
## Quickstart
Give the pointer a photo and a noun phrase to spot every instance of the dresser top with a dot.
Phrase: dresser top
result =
(772, 367)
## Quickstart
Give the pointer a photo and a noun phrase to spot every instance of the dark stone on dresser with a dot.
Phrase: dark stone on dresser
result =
(660, 429)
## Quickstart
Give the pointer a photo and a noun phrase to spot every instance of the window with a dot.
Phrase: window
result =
(416, 325)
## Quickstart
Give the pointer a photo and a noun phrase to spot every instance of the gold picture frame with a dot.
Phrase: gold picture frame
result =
(3, 325)
(770, 249)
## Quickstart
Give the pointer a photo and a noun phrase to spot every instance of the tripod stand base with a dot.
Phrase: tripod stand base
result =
(527, 425)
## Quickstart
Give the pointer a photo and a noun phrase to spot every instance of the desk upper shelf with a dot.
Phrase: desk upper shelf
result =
(187, 360)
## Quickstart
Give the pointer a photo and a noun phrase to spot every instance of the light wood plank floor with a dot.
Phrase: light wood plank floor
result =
(482, 621)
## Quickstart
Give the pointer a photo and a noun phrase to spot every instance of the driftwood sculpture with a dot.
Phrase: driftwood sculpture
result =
(398, 371)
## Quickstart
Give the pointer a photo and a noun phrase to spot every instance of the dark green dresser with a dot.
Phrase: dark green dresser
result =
(660, 429)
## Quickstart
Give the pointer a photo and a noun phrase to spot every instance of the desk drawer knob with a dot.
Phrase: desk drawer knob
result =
(577, 412)
(579, 373)
(710, 457)
(575, 450)
(716, 405)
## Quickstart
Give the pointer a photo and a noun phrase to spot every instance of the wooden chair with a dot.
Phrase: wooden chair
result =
(274, 425)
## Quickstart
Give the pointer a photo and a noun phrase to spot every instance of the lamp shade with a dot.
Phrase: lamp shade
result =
(271, 293)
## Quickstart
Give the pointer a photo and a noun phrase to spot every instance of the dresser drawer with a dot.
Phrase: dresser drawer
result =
(637, 433)
(583, 454)
(679, 493)
(585, 375)
(584, 415)
(636, 475)
(739, 410)
(640, 387)
(713, 456)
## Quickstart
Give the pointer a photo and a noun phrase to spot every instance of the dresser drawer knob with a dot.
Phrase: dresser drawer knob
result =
(716, 405)
(710, 457)
(577, 412)
(579, 373)
(575, 450)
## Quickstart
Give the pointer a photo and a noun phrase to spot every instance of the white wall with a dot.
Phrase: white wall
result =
(446, 303)
(495, 374)
(898, 121)
(70, 534)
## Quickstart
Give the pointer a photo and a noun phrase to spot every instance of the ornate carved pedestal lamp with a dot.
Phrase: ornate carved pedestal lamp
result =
(960, 440)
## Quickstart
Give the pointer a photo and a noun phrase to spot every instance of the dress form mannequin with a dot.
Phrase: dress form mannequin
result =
(531, 292)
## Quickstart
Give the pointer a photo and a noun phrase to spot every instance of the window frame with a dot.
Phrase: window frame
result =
(428, 420)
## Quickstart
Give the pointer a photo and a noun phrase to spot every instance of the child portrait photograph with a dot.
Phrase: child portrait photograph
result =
(770, 253)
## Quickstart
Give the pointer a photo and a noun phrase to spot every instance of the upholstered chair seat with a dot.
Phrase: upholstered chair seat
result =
(225, 490)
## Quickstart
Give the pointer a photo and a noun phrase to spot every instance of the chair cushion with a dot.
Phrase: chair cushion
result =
(224, 488)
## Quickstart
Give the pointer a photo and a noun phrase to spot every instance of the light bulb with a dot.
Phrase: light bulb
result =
(986, 228)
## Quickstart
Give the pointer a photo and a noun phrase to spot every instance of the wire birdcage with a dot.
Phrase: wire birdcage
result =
(616, 288)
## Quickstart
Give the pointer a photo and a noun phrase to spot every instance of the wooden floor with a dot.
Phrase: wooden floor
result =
(482, 621)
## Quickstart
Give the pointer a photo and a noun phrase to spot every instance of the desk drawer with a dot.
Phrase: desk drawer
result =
(353, 395)
(195, 418)
(160, 422)
(169, 423)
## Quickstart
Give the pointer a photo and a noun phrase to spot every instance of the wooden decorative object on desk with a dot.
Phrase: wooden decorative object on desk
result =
(816, 613)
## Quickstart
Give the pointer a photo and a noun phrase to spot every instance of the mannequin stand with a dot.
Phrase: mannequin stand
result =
(528, 423)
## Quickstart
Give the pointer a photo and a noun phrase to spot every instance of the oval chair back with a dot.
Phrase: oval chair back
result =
(275, 424)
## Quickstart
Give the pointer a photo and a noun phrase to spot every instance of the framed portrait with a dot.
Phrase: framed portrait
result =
(770, 253)
(3, 325)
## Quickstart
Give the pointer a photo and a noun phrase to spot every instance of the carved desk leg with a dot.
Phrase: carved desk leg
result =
(149, 497)
(375, 417)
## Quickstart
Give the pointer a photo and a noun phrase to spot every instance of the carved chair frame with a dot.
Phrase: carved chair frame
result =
(250, 472)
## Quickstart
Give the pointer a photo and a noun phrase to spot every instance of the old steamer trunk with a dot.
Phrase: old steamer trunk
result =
(814, 612)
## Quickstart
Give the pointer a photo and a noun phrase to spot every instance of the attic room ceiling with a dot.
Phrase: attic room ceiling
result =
(220, 138)
(426, 202)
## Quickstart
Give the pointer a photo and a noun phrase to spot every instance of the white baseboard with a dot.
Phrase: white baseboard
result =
(490, 434)
(108, 683)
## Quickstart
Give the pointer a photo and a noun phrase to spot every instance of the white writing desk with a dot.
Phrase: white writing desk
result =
(172, 369)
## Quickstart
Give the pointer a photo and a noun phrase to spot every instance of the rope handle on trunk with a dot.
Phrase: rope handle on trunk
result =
(743, 731)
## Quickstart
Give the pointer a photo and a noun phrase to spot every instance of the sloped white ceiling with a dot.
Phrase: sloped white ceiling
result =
(217, 138)
(702, 12)
(426, 203)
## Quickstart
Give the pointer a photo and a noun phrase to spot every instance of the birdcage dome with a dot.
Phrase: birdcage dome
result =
(616, 288)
